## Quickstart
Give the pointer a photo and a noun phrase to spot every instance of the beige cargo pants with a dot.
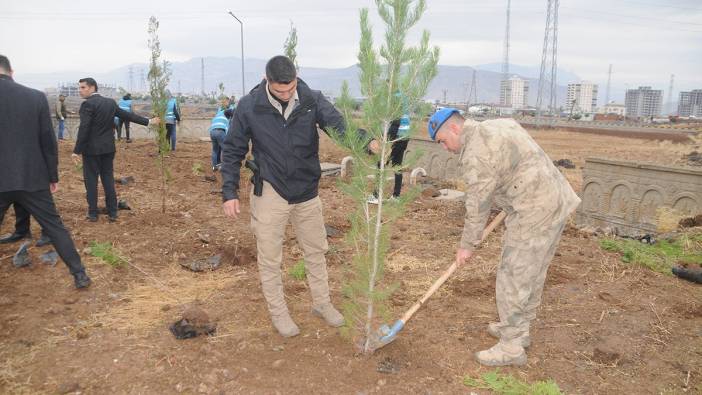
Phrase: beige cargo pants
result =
(270, 214)
(520, 279)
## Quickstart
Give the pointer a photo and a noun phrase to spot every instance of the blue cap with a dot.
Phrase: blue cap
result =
(438, 119)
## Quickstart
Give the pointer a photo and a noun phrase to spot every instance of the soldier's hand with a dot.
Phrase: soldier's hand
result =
(231, 208)
(76, 158)
(463, 256)
(53, 187)
(154, 121)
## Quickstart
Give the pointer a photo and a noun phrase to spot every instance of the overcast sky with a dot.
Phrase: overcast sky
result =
(645, 40)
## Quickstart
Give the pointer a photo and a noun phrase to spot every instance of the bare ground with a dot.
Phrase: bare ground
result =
(604, 326)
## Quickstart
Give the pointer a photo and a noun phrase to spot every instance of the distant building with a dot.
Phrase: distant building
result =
(690, 103)
(71, 89)
(643, 102)
(514, 92)
(613, 108)
(582, 97)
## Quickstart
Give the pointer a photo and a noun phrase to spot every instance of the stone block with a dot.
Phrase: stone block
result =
(437, 162)
(625, 196)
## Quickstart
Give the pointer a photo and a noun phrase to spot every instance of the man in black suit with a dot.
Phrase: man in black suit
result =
(29, 164)
(96, 143)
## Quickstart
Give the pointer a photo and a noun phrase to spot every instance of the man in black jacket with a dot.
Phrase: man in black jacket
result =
(280, 118)
(29, 164)
(96, 143)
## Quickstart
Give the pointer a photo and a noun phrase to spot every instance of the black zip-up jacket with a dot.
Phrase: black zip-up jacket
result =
(286, 152)
(95, 133)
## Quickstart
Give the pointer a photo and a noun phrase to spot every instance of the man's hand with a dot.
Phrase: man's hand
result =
(231, 208)
(374, 146)
(154, 121)
(53, 187)
(463, 256)
(76, 158)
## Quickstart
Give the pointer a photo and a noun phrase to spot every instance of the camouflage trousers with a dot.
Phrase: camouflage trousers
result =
(520, 279)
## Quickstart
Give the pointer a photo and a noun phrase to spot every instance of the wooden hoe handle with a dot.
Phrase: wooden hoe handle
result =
(441, 280)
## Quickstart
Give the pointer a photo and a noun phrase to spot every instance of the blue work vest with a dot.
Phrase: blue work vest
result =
(170, 110)
(219, 121)
(125, 105)
(404, 129)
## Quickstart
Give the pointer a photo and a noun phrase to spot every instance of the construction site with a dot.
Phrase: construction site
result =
(177, 304)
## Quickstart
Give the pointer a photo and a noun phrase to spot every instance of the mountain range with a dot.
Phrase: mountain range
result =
(451, 81)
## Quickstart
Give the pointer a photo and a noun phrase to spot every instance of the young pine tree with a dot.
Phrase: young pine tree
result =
(290, 46)
(159, 76)
(393, 78)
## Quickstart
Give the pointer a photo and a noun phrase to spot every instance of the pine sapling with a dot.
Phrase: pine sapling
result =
(159, 76)
(393, 80)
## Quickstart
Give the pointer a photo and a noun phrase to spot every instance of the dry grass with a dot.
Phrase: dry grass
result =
(667, 219)
(154, 303)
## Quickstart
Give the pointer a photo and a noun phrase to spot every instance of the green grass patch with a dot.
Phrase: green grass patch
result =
(107, 253)
(297, 271)
(506, 384)
(661, 256)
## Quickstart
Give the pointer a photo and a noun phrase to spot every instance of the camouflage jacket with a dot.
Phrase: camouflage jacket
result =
(502, 164)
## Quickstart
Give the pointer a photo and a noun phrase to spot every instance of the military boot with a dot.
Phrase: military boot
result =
(329, 314)
(502, 354)
(494, 331)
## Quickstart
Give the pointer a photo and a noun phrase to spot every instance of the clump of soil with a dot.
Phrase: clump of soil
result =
(689, 271)
(430, 192)
(690, 222)
(694, 158)
(241, 256)
(567, 163)
(194, 322)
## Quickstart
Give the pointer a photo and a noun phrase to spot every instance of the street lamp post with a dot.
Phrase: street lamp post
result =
(243, 84)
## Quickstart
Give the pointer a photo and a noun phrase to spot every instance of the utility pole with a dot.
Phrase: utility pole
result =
(505, 60)
(669, 105)
(549, 60)
(243, 83)
(202, 76)
(609, 82)
(131, 79)
(473, 92)
(445, 91)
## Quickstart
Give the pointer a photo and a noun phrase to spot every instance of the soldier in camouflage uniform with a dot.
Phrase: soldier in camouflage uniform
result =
(502, 164)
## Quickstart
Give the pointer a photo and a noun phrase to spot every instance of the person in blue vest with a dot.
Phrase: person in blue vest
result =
(172, 116)
(218, 131)
(398, 133)
(126, 105)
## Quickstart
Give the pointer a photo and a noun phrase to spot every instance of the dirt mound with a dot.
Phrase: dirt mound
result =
(242, 256)
(194, 322)
(690, 222)
(694, 158)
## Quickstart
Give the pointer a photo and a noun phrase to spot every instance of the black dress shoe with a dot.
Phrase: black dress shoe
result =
(82, 280)
(112, 218)
(43, 240)
(91, 218)
(14, 237)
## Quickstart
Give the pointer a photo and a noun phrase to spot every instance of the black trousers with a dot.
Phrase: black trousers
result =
(40, 204)
(397, 154)
(102, 166)
(120, 122)
(22, 221)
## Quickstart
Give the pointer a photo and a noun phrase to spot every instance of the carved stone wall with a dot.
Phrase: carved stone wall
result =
(438, 162)
(625, 195)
